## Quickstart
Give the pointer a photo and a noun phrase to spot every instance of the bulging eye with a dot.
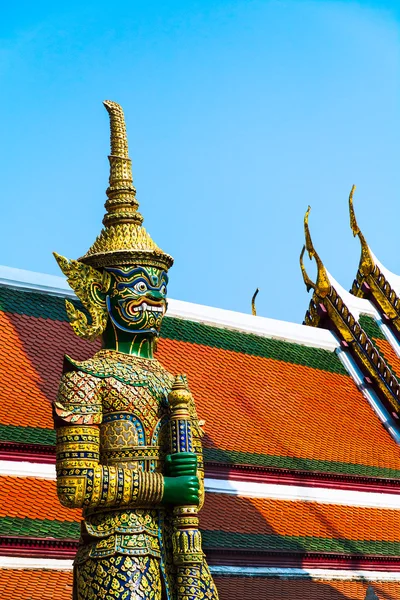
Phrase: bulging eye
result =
(140, 287)
(163, 289)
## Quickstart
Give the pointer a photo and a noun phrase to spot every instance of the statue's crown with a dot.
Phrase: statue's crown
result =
(123, 240)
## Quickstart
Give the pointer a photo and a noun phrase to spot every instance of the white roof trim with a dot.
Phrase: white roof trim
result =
(47, 564)
(261, 326)
(217, 317)
(355, 305)
(52, 564)
(392, 278)
(303, 493)
(16, 468)
(35, 282)
(318, 574)
(276, 491)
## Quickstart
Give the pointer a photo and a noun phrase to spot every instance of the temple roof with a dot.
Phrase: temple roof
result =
(302, 463)
(267, 402)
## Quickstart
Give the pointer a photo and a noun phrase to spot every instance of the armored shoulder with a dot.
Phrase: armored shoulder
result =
(79, 399)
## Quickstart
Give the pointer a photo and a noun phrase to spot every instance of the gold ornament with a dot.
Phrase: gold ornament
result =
(366, 265)
(123, 241)
(325, 304)
(90, 286)
(371, 282)
(253, 303)
(322, 286)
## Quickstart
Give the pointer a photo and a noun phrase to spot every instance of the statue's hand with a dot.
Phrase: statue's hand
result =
(181, 463)
(181, 490)
(181, 485)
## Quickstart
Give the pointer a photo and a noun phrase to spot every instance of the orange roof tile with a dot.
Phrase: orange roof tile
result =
(223, 512)
(31, 359)
(38, 584)
(389, 354)
(266, 406)
(34, 499)
(266, 588)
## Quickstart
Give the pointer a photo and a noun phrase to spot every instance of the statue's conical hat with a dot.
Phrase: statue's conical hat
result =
(123, 240)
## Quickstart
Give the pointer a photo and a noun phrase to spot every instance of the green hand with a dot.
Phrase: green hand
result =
(181, 463)
(181, 490)
(181, 485)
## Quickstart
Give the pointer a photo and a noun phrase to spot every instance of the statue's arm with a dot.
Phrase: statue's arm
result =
(81, 480)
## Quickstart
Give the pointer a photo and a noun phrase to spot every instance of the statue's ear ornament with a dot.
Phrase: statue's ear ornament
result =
(91, 287)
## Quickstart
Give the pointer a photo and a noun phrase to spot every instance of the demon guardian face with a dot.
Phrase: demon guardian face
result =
(136, 301)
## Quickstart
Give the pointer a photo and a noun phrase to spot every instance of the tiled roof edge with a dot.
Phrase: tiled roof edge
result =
(297, 544)
(35, 453)
(304, 573)
(387, 568)
(34, 563)
(261, 326)
(217, 317)
(15, 532)
(276, 491)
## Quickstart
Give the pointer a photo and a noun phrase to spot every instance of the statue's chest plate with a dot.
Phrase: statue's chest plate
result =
(135, 420)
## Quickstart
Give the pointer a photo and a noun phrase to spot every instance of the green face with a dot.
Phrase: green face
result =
(136, 301)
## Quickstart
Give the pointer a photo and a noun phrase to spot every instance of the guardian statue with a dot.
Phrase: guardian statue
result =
(128, 437)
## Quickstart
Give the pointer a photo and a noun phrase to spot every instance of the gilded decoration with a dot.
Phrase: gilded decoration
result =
(328, 309)
(129, 449)
(371, 283)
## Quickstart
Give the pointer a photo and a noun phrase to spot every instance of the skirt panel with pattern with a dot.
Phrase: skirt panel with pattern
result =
(118, 577)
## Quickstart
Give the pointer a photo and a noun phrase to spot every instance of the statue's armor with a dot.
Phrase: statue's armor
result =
(112, 433)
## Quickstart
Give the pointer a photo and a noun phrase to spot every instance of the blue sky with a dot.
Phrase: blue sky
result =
(240, 113)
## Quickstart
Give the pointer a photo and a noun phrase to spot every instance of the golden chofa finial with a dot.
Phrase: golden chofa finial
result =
(322, 285)
(123, 241)
(253, 303)
(366, 262)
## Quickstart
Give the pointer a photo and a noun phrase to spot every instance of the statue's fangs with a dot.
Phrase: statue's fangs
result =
(128, 437)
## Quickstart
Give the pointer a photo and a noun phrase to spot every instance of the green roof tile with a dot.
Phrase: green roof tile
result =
(248, 343)
(371, 327)
(294, 463)
(37, 528)
(27, 435)
(32, 304)
(42, 305)
(257, 542)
